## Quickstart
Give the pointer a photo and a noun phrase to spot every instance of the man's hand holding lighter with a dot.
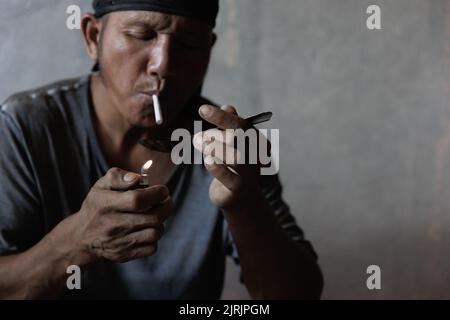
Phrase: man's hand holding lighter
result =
(118, 220)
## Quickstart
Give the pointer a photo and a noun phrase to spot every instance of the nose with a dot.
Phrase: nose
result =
(161, 60)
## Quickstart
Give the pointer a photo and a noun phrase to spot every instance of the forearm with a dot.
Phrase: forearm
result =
(273, 266)
(40, 272)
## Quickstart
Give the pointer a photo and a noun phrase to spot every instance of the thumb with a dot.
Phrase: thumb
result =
(118, 179)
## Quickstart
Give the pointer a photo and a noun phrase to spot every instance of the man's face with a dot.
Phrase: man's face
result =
(139, 48)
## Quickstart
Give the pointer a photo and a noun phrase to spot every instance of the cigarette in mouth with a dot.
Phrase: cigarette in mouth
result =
(157, 110)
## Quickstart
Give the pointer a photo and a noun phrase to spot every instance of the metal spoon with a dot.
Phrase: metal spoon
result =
(164, 144)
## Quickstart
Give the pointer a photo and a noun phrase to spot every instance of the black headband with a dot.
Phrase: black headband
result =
(204, 10)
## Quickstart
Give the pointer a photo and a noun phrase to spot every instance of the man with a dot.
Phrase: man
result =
(70, 194)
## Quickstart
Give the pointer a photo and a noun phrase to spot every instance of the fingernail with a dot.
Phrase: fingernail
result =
(206, 111)
(229, 108)
(130, 177)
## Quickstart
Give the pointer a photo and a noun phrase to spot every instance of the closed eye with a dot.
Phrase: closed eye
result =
(143, 36)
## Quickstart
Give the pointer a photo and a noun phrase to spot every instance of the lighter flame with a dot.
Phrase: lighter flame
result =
(146, 166)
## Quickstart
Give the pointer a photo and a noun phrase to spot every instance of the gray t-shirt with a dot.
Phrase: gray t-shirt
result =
(49, 160)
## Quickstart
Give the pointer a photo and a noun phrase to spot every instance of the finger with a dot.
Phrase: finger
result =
(118, 179)
(202, 139)
(221, 141)
(125, 223)
(246, 147)
(250, 138)
(162, 211)
(142, 251)
(230, 109)
(122, 243)
(226, 136)
(241, 164)
(133, 254)
(141, 237)
(165, 208)
(222, 173)
(105, 201)
(221, 118)
(224, 154)
(141, 200)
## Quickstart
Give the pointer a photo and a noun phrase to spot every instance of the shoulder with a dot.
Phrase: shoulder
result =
(40, 105)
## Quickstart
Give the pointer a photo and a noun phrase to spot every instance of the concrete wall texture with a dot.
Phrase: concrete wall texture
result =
(363, 116)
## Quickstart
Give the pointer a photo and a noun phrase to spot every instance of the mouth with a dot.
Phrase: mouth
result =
(147, 97)
(150, 93)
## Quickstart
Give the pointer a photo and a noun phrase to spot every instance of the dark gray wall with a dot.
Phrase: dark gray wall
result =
(363, 117)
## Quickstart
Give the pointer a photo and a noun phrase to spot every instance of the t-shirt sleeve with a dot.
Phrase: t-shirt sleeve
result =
(272, 191)
(20, 213)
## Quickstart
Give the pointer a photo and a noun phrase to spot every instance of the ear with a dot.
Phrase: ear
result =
(91, 28)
